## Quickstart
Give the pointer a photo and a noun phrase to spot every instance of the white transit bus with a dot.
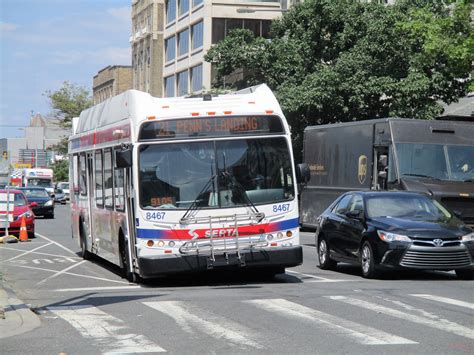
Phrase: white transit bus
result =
(169, 185)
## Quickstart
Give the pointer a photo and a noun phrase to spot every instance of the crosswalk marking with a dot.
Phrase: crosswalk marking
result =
(446, 300)
(213, 325)
(108, 333)
(438, 323)
(358, 332)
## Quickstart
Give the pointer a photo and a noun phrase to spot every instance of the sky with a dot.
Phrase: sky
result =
(46, 42)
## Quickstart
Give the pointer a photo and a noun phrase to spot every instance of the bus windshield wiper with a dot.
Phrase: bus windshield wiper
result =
(194, 207)
(422, 176)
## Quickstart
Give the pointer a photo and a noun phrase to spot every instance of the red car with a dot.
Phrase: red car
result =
(21, 208)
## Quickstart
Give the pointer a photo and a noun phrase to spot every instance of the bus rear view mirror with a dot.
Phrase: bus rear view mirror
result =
(383, 161)
(303, 173)
(123, 158)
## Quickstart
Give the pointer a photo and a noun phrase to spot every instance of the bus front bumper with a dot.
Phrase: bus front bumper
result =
(153, 266)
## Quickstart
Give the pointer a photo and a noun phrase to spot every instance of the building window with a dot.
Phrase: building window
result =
(196, 78)
(254, 26)
(183, 42)
(218, 30)
(221, 27)
(183, 6)
(170, 11)
(232, 24)
(183, 83)
(169, 86)
(197, 2)
(197, 35)
(170, 48)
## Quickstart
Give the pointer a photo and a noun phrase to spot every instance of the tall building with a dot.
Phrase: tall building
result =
(111, 81)
(147, 45)
(192, 26)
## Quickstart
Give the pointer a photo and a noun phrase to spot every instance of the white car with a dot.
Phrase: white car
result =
(65, 187)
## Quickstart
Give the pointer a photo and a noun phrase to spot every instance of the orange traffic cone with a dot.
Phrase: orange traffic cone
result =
(23, 232)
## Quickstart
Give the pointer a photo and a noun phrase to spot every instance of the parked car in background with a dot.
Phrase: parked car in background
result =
(45, 203)
(60, 196)
(393, 230)
(65, 187)
(21, 209)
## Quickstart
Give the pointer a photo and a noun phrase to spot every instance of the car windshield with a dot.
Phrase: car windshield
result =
(39, 182)
(444, 162)
(63, 185)
(414, 207)
(20, 200)
(215, 174)
(36, 193)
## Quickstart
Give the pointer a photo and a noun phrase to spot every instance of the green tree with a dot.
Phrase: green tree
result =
(60, 170)
(67, 102)
(334, 61)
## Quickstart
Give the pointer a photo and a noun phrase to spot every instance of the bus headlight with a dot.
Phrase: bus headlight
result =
(279, 235)
(270, 237)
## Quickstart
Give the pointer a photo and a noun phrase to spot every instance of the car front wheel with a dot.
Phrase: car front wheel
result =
(367, 262)
(325, 262)
(465, 274)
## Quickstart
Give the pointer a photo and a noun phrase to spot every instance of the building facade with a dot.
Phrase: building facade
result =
(191, 27)
(111, 81)
(147, 45)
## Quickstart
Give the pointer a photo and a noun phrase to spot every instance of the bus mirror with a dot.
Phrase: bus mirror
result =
(123, 158)
(382, 175)
(303, 173)
(383, 161)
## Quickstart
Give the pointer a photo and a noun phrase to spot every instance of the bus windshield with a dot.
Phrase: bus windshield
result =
(215, 174)
(443, 162)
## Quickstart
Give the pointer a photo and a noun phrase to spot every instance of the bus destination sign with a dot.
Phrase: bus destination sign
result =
(211, 127)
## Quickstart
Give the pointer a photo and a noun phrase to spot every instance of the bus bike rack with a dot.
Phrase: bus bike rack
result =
(211, 246)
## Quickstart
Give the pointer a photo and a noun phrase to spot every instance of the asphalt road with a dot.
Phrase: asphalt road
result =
(85, 307)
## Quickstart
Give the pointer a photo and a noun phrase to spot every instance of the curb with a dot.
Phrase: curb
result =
(15, 316)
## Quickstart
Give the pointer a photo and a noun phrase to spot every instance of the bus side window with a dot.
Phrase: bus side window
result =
(99, 183)
(108, 179)
(119, 189)
(82, 175)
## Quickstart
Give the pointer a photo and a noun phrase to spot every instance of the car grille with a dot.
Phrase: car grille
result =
(436, 259)
(445, 242)
(462, 204)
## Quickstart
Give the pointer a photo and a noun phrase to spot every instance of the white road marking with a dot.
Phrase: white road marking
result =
(46, 254)
(438, 323)
(307, 275)
(343, 327)
(108, 333)
(104, 288)
(446, 300)
(73, 274)
(56, 243)
(28, 252)
(210, 324)
(330, 280)
(60, 272)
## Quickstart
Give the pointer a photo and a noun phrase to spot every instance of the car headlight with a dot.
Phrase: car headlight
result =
(27, 214)
(468, 237)
(393, 237)
(49, 203)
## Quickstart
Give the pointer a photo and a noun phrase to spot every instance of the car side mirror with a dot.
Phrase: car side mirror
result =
(123, 158)
(355, 214)
(34, 204)
(303, 174)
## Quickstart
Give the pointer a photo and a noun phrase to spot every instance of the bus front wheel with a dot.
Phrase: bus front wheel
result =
(125, 258)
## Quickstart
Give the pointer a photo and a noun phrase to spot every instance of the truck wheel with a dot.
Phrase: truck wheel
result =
(325, 262)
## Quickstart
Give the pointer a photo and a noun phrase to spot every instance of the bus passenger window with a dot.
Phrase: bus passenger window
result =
(99, 184)
(82, 175)
(108, 181)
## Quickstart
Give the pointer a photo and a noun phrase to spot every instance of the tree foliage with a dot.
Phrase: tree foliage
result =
(60, 170)
(334, 61)
(67, 102)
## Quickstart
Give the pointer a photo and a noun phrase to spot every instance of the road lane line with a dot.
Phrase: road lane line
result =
(329, 281)
(215, 326)
(108, 333)
(307, 275)
(72, 274)
(61, 272)
(103, 288)
(28, 252)
(438, 323)
(46, 254)
(58, 244)
(343, 327)
(445, 300)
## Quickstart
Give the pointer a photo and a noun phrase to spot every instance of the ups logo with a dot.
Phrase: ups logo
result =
(362, 171)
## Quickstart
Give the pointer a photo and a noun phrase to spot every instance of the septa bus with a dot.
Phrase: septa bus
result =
(173, 185)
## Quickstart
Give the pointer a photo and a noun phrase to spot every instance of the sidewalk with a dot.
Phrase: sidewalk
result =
(15, 316)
